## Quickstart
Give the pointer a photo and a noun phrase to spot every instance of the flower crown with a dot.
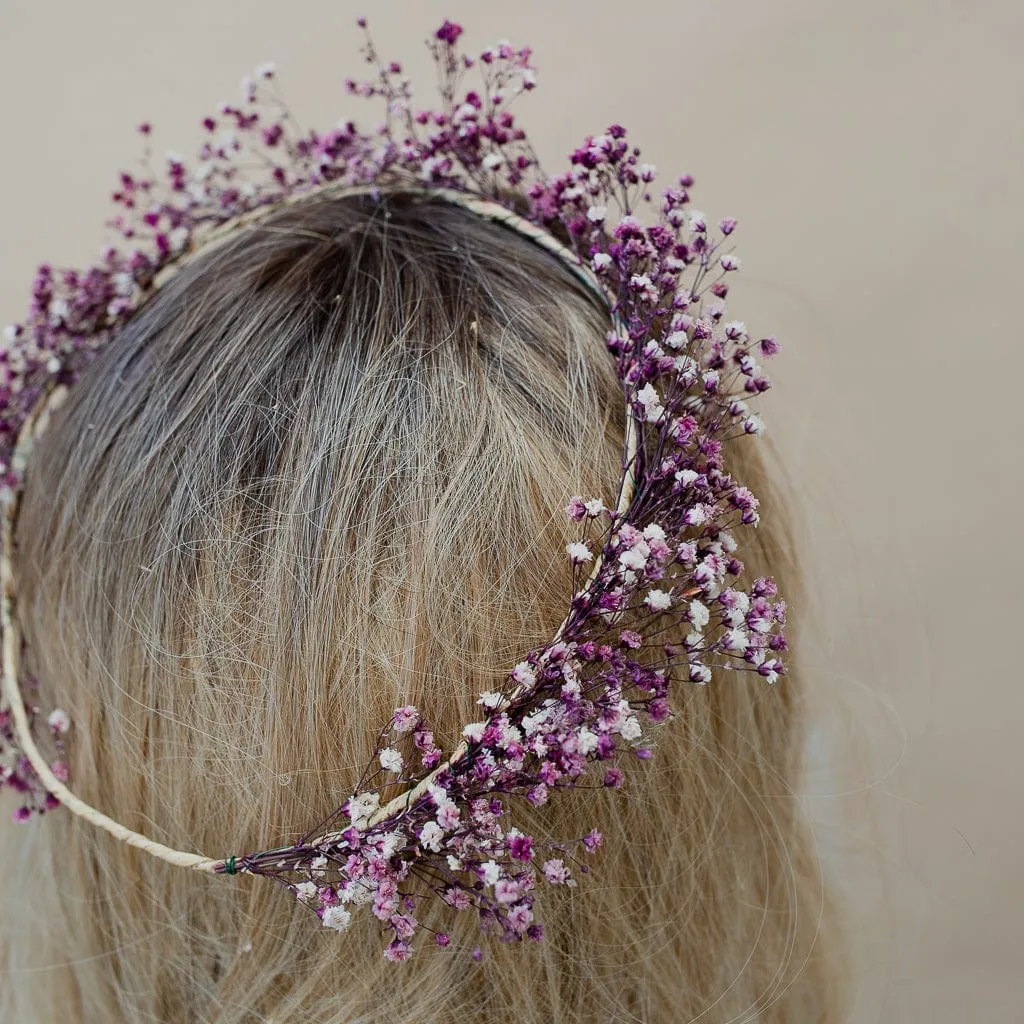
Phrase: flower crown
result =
(657, 562)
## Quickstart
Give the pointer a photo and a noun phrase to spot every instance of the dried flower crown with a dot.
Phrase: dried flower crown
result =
(658, 563)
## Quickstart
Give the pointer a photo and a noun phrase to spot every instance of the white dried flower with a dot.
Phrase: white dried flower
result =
(360, 807)
(523, 674)
(337, 917)
(579, 553)
(431, 836)
(390, 760)
(699, 615)
(630, 729)
(306, 891)
(586, 741)
(59, 721)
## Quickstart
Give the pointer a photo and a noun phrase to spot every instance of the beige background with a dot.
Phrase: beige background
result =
(873, 152)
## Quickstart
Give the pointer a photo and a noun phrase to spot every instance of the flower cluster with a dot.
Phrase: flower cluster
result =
(657, 597)
(15, 770)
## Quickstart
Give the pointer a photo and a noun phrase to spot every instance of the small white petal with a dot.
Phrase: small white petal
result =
(337, 917)
(390, 760)
(578, 552)
(474, 732)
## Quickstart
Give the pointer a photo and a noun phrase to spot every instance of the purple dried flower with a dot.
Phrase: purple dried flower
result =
(398, 951)
(449, 32)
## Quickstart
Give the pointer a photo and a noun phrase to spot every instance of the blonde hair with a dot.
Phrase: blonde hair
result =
(322, 474)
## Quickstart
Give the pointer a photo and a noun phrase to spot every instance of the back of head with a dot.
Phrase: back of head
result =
(323, 474)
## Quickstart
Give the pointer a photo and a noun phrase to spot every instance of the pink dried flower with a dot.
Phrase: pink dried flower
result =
(449, 32)
(398, 951)
(556, 872)
(405, 719)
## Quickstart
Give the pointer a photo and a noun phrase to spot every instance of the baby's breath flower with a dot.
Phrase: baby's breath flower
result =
(337, 917)
(390, 760)
(649, 398)
(405, 719)
(699, 614)
(306, 891)
(362, 806)
(474, 732)
(448, 816)
(524, 675)
(431, 836)
(631, 729)
(59, 721)
(556, 872)
(700, 674)
(578, 553)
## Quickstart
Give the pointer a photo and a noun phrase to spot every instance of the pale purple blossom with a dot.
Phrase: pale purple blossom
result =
(556, 872)
(405, 719)
(448, 816)
(523, 674)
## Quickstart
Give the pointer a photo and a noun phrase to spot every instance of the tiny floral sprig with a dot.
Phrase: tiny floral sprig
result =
(16, 772)
(657, 599)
